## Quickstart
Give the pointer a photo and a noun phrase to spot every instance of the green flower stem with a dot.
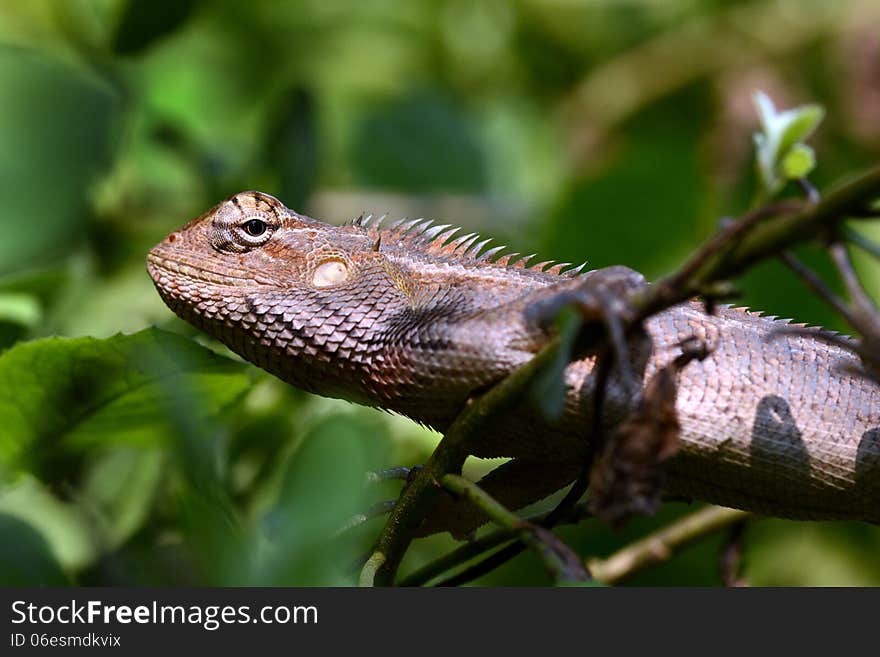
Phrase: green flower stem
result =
(664, 543)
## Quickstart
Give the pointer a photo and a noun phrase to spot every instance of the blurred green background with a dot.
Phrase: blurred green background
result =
(612, 131)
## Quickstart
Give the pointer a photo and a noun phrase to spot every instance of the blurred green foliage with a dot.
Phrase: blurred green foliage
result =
(613, 131)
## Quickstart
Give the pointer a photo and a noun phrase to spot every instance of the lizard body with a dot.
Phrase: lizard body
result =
(414, 319)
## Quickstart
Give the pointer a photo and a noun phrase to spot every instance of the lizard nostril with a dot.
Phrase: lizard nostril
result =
(172, 237)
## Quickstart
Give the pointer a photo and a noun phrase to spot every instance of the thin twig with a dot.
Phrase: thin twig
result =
(371, 567)
(864, 305)
(812, 194)
(497, 512)
(487, 565)
(761, 233)
(482, 544)
(862, 242)
(556, 516)
(816, 284)
(457, 557)
(663, 544)
(730, 563)
(727, 236)
(862, 314)
(559, 560)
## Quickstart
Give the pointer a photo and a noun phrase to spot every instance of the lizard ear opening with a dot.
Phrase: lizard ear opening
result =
(331, 272)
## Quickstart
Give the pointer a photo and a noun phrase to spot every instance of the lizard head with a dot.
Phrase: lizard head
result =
(277, 287)
(327, 308)
(251, 240)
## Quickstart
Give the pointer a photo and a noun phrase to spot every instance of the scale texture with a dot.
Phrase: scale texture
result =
(415, 319)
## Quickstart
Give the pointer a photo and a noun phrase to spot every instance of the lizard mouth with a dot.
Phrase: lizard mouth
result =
(173, 269)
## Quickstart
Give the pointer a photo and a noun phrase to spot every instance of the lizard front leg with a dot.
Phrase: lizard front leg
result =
(599, 297)
(515, 484)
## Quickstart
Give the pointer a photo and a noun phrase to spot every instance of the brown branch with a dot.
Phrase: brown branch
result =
(485, 566)
(861, 241)
(458, 556)
(483, 544)
(760, 234)
(816, 284)
(861, 313)
(730, 563)
(863, 306)
(371, 567)
(730, 233)
(663, 544)
(559, 560)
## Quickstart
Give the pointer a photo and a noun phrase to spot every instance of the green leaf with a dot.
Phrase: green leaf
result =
(319, 492)
(60, 396)
(779, 150)
(58, 127)
(292, 146)
(144, 22)
(589, 584)
(549, 388)
(23, 309)
(798, 124)
(62, 525)
(119, 489)
(25, 557)
(421, 143)
(595, 217)
(798, 162)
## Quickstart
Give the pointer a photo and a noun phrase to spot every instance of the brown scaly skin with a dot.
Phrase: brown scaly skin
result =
(414, 319)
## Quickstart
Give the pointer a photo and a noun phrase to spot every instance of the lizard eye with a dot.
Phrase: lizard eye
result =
(255, 227)
(252, 232)
(329, 273)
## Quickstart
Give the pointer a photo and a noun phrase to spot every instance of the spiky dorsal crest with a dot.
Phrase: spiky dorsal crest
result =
(440, 241)
(366, 221)
(443, 241)
(787, 325)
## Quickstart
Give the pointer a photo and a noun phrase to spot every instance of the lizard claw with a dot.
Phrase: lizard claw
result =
(358, 519)
(601, 297)
(380, 508)
(401, 472)
(594, 295)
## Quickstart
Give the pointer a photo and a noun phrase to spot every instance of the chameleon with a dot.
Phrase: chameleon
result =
(415, 319)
